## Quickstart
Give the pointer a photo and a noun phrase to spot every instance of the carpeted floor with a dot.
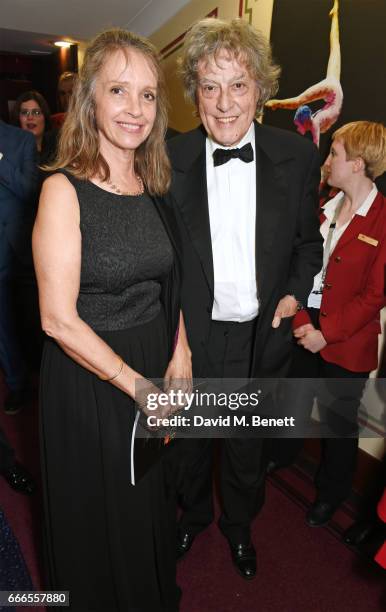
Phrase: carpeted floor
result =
(23, 513)
(300, 569)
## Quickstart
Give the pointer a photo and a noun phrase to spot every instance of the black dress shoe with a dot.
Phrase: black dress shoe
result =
(272, 466)
(19, 479)
(184, 543)
(16, 400)
(320, 513)
(244, 559)
(358, 532)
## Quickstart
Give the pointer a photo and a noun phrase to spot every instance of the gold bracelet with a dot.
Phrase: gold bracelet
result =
(109, 379)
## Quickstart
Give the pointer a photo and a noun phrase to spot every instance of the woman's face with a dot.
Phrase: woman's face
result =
(339, 170)
(125, 100)
(31, 118)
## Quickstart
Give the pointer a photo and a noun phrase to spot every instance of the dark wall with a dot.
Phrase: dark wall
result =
(19, 73)
(300, 38)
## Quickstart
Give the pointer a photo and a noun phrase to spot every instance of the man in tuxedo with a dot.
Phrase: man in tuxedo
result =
(246, 200)
(18, 186)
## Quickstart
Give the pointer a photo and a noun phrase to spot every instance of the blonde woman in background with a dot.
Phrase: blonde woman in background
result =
(338, 332)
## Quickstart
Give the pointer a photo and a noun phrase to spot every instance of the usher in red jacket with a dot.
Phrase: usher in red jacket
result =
(354, 292)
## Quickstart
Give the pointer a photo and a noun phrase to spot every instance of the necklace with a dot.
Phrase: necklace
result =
(119, 191)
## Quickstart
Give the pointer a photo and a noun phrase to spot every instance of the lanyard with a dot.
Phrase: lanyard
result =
(327, 244)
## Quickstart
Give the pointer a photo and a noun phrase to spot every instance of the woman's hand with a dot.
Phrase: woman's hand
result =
(313, 341)
(151, 400)
(179, 371)
(178, 375)
(302, 330)
(158, 407)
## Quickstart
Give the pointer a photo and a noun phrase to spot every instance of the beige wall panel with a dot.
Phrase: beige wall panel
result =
(373, 446)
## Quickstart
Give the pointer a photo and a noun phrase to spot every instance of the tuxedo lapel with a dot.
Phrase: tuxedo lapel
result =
(191, 193)
(169, 222)
(271, 195)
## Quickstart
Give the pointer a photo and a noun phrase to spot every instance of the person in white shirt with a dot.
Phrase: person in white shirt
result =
(246, 199)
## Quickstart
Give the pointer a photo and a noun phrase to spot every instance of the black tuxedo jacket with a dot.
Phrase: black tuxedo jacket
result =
(288, 241)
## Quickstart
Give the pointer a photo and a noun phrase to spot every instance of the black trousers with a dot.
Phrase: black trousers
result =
(339, 450)
(7, 454)
(228, 355)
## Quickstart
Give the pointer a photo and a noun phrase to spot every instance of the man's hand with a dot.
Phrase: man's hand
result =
(287, 307)
(313, 341)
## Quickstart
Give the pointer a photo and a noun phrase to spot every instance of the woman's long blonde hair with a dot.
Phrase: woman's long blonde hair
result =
(78, 149)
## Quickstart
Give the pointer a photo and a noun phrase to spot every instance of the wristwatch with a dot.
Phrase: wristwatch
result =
(299, 305)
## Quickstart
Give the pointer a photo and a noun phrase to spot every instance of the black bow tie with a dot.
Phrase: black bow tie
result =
(222, 156)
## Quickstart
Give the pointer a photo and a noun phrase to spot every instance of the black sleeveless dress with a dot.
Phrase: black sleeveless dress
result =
(111, 544)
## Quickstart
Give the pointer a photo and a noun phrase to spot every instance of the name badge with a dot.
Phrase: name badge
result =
(367, 239)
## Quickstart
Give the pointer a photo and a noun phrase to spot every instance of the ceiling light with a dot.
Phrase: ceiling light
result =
(62, 43)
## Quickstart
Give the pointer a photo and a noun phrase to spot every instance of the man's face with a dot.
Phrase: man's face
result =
(227, 97)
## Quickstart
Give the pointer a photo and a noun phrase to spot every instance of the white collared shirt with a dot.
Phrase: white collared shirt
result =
(232, 214)
(329, 208)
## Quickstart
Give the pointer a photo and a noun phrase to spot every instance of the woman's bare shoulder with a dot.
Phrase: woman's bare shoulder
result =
(58, 195)
(58, 180)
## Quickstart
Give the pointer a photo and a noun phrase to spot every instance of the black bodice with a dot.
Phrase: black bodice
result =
(126, 253)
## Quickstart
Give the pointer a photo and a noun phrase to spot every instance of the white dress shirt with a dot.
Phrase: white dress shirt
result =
(315, 298)
(232, 214)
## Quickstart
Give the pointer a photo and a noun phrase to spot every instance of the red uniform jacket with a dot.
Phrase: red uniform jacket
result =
(354, 292)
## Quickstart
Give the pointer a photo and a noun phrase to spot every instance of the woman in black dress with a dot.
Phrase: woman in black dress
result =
(105, 262)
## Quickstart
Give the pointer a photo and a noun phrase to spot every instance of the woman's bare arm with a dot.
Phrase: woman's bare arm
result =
(179, 370)
(57, 256)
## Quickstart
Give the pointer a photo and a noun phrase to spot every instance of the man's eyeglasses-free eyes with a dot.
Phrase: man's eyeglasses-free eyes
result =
(35, 112)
